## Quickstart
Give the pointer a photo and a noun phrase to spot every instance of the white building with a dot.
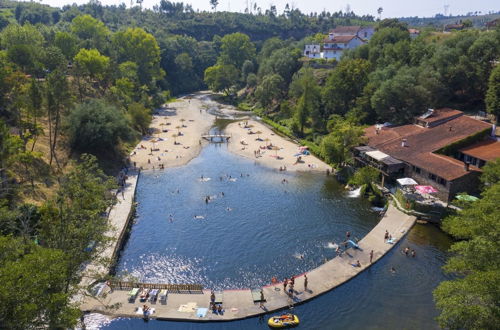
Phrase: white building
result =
(338, 40)
(334, 46)
(312, 51)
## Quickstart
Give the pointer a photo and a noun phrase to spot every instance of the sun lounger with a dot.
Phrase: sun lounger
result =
(163, 297)
(219, 297)
(153, 295)
(132, 294)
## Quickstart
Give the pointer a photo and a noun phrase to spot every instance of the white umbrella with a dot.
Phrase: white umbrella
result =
(407, 182)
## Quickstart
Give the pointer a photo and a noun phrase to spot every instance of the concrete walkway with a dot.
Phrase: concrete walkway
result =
(119, 216)
(239, 304)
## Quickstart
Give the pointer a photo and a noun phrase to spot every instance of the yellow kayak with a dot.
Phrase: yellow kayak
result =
(283, 321)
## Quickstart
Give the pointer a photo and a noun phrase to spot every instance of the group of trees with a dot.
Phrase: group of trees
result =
(470, 301)
(392, 78)
(65, 90)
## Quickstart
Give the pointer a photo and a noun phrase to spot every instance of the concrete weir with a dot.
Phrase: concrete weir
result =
(239, 304)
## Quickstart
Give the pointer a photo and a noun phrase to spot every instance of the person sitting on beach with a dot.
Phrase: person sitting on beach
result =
(220, 310)
(357, 264)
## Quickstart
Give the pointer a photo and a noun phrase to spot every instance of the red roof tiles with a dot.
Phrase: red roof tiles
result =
(339, 39)
(486, 150)
(421, 143)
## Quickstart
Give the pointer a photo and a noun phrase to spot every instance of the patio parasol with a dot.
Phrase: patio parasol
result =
(467, 198)
(426, 189)
(276, 148)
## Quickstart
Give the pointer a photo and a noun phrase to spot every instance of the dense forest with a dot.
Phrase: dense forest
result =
(78, 86)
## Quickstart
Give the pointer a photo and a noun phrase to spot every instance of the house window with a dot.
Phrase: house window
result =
(416, 169)
(441, 181)
(334, 52)
(334, 45)
(433, 177)
(366, 34)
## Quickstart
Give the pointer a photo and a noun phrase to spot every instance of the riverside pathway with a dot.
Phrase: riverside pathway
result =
(119, 216)
(238, 304)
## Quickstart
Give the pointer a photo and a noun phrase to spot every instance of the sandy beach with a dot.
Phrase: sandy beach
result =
(161, 149)
(177, 128)
(246, 142)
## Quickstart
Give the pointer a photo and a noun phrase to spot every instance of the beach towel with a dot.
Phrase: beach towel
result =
(201, 312)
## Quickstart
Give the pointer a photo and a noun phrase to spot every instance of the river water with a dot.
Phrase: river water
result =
(256, 226)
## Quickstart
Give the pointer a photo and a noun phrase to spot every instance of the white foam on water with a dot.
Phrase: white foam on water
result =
(331, 245)
(94, 321)
(354, 193)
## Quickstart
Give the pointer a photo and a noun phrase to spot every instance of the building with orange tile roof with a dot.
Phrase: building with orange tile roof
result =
(443, 148)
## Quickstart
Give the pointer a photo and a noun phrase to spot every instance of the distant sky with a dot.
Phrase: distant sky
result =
(392, 8)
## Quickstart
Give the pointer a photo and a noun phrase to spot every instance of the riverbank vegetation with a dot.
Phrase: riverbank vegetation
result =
(471, 300)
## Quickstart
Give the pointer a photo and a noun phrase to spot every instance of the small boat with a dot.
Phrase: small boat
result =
(283, 321)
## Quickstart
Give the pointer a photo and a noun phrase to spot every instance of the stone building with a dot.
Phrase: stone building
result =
(443, 148)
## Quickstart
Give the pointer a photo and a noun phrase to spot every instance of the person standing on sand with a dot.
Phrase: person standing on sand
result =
(371, 256)
(305, 282)
(285, 283)
(261, 298)
(386, 236)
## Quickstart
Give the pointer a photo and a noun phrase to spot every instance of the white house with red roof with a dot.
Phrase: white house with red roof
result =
(334, 46)
(340, 39)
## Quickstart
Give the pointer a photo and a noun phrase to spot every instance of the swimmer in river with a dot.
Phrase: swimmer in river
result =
(228, 209)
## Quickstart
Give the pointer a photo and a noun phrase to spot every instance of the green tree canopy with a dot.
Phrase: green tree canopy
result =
(471, 301)
(493, 95)
(32, 294)
(365, 175)
(67, 43)
(345, 85)
(221, 77)
(269, 89)
(236, 48)
(336, 147)
(399, 99)
(95, 126)
(140, 47)
(90, 62)
(91, 31)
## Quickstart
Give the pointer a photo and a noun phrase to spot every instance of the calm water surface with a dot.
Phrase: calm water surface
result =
(262, 228)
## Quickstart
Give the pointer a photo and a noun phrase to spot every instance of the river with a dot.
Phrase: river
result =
(255, 226)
